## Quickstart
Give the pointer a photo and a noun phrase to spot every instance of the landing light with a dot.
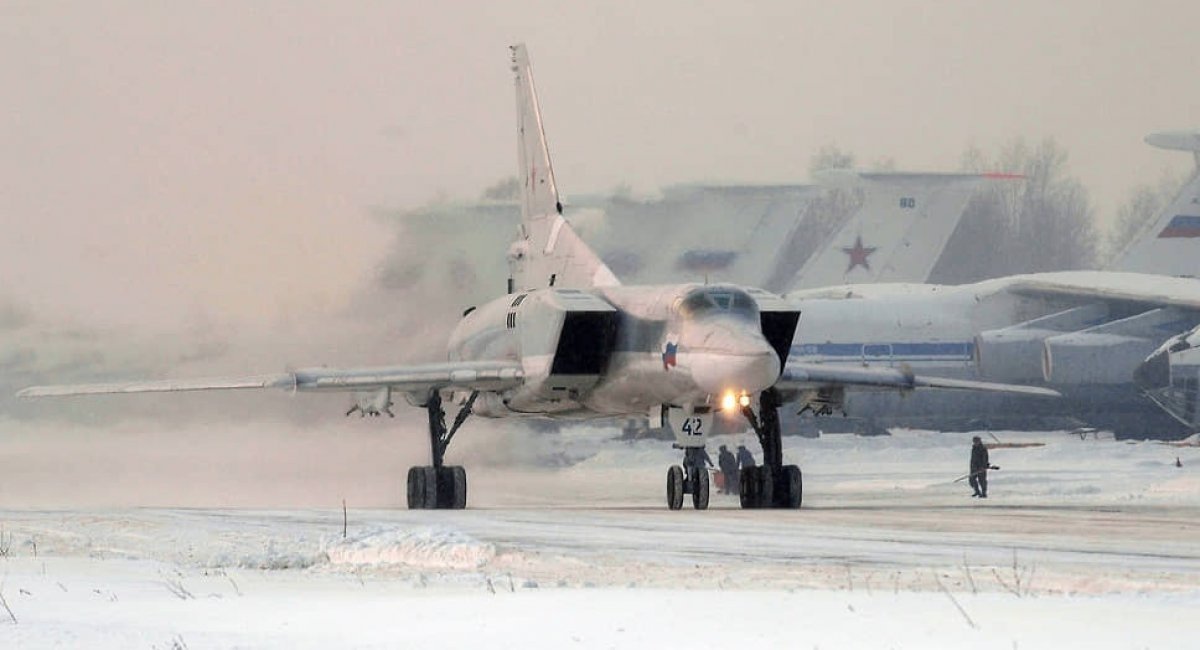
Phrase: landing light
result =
(731, 400)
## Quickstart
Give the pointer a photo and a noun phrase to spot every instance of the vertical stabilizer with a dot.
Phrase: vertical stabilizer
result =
(548, 252)
(1169, 244)
(899, 233)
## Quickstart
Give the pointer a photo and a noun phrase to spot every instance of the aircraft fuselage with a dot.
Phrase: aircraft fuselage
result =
(624, 350)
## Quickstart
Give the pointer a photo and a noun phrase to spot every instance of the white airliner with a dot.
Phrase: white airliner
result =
(570, 341)
(1085, 333)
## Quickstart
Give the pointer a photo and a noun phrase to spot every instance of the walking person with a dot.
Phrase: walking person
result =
(979, 468)
(744, 459)
(729, 468)
(695, 459)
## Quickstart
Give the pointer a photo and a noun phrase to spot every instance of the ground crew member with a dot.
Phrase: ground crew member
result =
(979, 468)
(729, 469)
(744, 457)
(695, 458)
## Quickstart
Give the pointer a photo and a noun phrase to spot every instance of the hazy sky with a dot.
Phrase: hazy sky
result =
(162, 161)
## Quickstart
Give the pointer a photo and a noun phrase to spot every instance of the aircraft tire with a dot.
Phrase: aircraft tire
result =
(792, 489)
(675, 487)
(416, 488)
(458, 483)
(748, 487)
(766, 487)
(700, 489)
(430, 495)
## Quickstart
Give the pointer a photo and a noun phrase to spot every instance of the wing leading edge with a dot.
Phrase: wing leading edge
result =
(470, 375)
(808, 376)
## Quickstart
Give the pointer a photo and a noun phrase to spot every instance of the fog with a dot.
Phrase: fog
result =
(213, 188)
(167, 163)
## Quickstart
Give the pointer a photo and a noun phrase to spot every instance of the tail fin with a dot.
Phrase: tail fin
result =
(899, 232)
(548, 252)
(1170, 243)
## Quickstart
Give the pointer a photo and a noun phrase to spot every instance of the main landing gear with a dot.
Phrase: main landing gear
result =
(772, 484)
(437, 486)
(691, 478)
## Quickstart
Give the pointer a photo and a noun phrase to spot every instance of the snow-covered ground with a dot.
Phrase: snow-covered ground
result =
(1083, 543)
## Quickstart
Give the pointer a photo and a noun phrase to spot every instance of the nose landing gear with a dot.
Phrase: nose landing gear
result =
(438, 486)
(772, 484)
(693, 481)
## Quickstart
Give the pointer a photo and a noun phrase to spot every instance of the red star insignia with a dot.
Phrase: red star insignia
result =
(858, 254)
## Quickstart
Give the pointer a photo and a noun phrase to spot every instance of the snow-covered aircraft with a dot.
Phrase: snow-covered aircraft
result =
(1085, 333)
(570, 341)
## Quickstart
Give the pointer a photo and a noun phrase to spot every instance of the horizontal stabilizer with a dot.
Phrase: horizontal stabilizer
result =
(1175, 140)
(854, 177)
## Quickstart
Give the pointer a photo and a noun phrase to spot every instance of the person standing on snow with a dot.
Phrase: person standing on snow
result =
(696, 458)
(744, 457)
(729, 469)
(979, 468)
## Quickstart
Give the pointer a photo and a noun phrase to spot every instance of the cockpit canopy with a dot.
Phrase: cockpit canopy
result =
(717, 299)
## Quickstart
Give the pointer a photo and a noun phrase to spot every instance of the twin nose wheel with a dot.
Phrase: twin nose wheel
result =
(761, 487)
(695, 482)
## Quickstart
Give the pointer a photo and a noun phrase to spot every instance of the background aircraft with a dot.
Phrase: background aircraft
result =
(899, 232)
(1085, 333)
(568, 340)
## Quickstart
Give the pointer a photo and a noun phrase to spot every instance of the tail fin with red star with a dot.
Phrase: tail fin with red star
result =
(899, 232)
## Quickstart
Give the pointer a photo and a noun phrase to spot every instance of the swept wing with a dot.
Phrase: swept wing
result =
(1141, 288)
(416, 379)
(809, 376)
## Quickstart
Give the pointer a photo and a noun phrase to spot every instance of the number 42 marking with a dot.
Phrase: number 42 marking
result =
(691, 426)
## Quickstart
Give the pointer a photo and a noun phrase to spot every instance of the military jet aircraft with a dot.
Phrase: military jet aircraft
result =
(569, 341)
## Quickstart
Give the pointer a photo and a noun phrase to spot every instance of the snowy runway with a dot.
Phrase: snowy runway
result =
(888, 552)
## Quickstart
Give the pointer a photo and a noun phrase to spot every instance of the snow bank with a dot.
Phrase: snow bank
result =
(277, 555)
(433, 548)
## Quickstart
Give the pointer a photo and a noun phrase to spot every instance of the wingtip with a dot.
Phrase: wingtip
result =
(32, 392)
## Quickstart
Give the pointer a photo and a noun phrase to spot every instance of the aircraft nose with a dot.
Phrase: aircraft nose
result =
(1154, 373)
(749, 366)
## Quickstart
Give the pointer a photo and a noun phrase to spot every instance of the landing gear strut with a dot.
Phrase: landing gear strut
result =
(772, 484)
(691, 478)
(437, 486)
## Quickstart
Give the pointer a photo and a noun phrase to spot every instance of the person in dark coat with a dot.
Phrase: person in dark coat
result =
(696, 458)
(744, 457)
(729, 469)
(979, 468)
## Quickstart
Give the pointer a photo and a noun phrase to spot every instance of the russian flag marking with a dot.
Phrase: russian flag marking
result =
(1181, 225)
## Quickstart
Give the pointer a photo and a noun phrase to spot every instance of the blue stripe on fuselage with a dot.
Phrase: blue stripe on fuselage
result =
(963, 350)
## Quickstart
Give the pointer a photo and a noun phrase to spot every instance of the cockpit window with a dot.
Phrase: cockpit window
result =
(696, 302)
(717, 300)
